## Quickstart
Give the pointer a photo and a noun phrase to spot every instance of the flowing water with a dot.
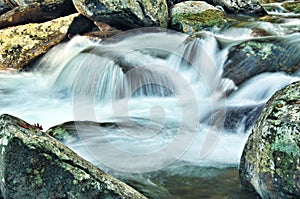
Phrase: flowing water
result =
(168, 128)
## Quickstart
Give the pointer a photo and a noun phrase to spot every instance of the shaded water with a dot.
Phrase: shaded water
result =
(171, 131)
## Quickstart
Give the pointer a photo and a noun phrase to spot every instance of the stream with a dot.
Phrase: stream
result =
(171, 125)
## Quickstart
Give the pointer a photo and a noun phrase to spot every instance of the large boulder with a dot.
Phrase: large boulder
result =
(270, 163)
(193, 16)
(265, 54)
(22, 44)
(125, 14)
(35, 165)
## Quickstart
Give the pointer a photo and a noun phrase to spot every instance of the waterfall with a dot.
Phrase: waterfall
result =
(163, 91)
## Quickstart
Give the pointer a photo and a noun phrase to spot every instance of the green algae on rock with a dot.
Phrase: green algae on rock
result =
(292, 6)
(270, 163)
(193, 16)
(20, 45)
(35, 165)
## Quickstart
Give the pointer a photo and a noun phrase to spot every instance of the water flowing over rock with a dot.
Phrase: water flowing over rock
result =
(4, 7)
(193, 16)
(22, 44)
(266, 54)
(125, 14)
(271, 158)
(236, 6)
(34, 165)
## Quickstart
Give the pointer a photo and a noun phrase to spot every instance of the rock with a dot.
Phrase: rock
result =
(270, 163)
(22, 44)
(35, 165)
(55, 8)
(264, 54)
(292, 6)
(125, 14)
(251, 7)
(193, 16)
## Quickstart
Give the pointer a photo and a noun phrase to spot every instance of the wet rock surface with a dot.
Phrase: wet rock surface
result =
(35, 165)
(125, 14)
(270, 163)
(22, 44)
(252, 57)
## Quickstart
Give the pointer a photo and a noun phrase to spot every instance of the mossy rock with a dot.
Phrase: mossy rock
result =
(270, 163)
(35, 165)
(20, 45)
(292, 6)
(259, 55)
(194, 16)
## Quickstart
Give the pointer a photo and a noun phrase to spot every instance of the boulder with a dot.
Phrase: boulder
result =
(264, 54)
(125, 14)
(193, 16)
(22, 44)
(35, 165)
(270, 163)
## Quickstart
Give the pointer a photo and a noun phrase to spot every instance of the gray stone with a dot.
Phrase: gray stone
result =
(35, 165)
(193, 16)
(125, 14)
(270, 163)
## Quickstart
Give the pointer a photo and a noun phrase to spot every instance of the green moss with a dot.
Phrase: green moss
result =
(292, 6)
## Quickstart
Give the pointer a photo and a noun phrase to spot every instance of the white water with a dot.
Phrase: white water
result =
(158, 104)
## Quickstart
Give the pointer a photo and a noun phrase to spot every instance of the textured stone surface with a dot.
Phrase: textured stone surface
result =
(193, 16)
(125, 14)
(256, 56)
(22, 44)
(270, 163)
(35, 165)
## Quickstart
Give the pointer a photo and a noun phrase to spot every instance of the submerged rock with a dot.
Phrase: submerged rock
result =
(20, 45)
(265, 54)
(193, 16)
(35, 165)
(270, 163)
(125, 14)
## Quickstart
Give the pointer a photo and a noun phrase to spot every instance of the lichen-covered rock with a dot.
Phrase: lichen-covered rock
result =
(125, 14)
(270, 163)
(55, 7)
(21, 44)
(292, 6)
(193, 16)
(35, 165)
(265, 54)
